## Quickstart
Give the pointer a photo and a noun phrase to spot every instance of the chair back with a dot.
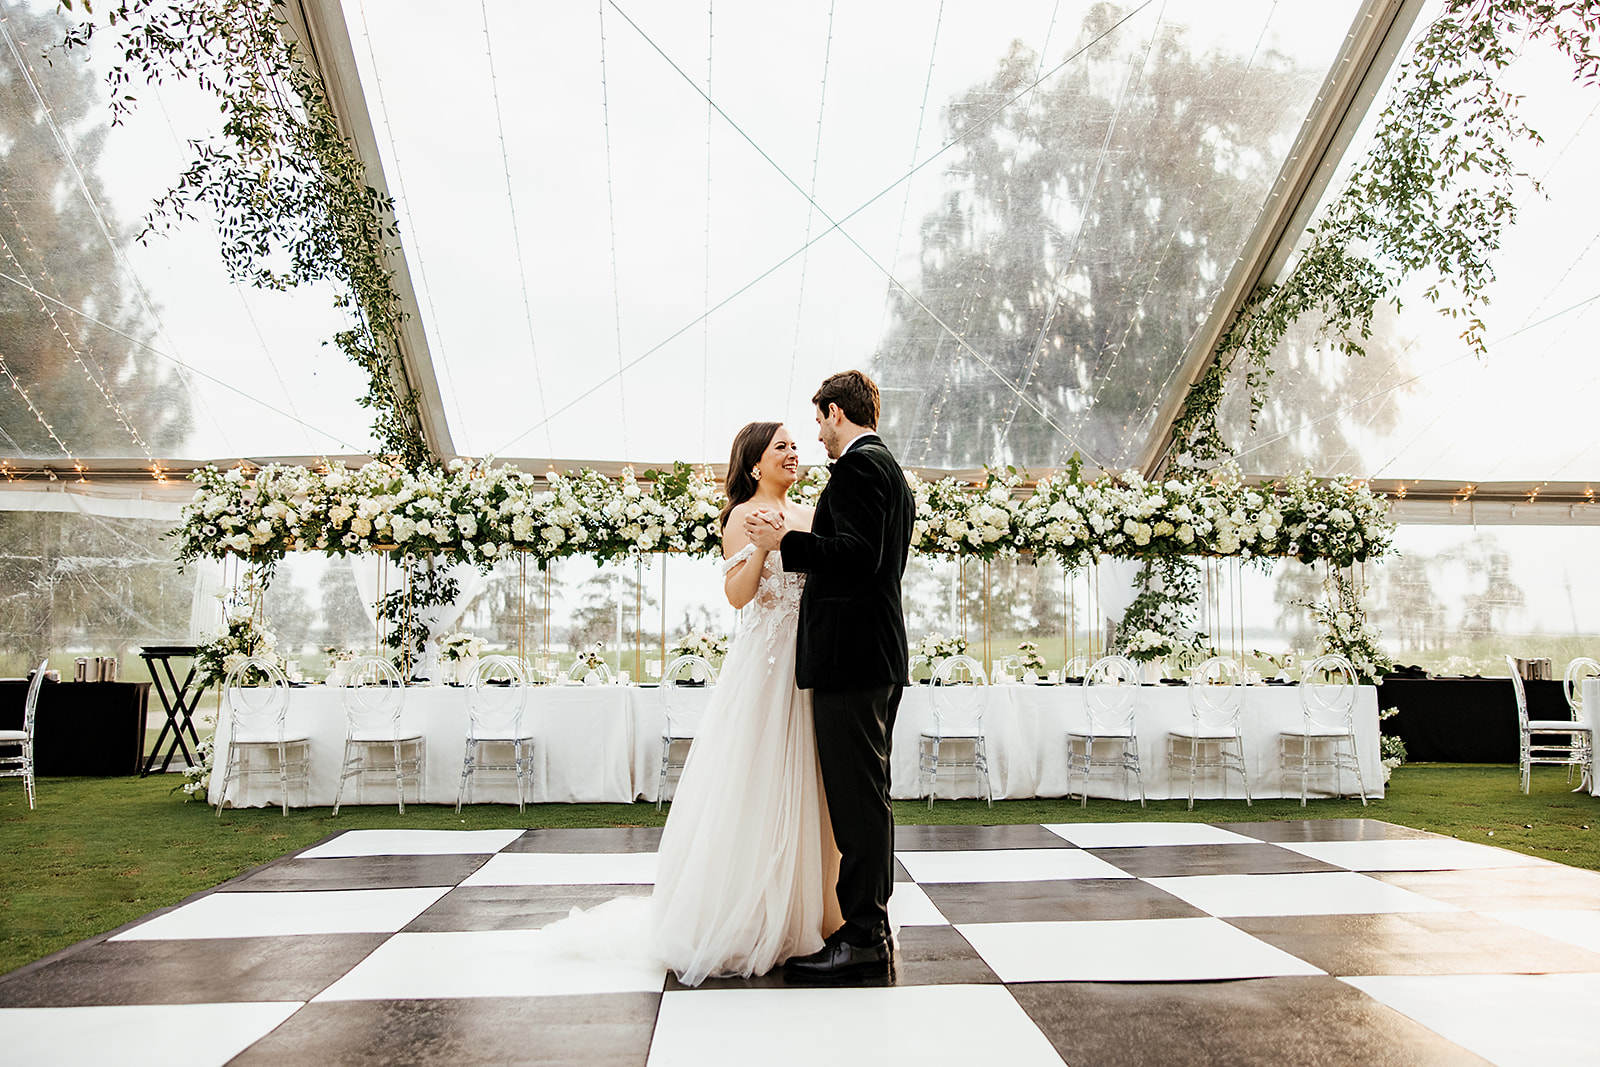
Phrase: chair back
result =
(1328, 692)
(1522, 696)
(1216, 693)
(31, 708)
(581, 669)
(918, 663)
(1076, 667)
(499, 694)
(256, 712)
(1110, 694)
(373, 695)
(958, 704)
(1572, 684)
(683, 711)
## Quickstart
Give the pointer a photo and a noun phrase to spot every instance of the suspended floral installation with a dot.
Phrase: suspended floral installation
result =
(478, 514)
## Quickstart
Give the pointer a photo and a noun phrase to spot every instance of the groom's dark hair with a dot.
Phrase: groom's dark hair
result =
(856, 395)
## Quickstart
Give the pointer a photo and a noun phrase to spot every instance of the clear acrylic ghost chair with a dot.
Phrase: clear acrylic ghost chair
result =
(684, 710)
(495, 730)
(1579, 671)
(1110, 697)
(1076, 667)
(919, 663)
(957, 727)
(1572, 750)
(1212, 739)
(20, 764)
(1327, 734)
(374, 743)
(258, 740)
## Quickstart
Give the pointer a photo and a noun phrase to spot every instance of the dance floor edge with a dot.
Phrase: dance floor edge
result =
(1089, 944)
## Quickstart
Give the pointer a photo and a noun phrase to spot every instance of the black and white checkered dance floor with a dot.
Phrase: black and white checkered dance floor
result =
(1325, 942)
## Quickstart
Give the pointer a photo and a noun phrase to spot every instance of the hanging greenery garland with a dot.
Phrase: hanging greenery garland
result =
(1435, 193)
(288, 191)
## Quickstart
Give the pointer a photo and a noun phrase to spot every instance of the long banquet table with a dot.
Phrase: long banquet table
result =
(602, 744)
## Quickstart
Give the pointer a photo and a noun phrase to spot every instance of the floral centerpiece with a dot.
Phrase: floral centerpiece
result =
(218, 654)
(461, 646)
(1147, 646)
(936, 647)
(1028, 656)
(699, 643)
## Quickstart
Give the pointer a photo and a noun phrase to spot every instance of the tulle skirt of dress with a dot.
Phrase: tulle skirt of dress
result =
(747, 862)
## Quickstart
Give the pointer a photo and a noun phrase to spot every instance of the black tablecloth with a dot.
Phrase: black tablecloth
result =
(82, 728)
(1464, 720)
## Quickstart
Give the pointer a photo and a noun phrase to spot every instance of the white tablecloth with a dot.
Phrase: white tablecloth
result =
(1025, 730)
(602, 744)
(584, 752)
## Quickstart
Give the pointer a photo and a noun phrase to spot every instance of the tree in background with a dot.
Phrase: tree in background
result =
(73, 324)
(1072, 267)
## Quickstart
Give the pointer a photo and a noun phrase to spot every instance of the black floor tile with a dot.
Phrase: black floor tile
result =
(357, 872)
(901, 874)
(1417, 943)
(1326, 830)
(1176, 861)
(1264, 1021)
(1077, 899)
(1504, 888)
(939, 955)
(598, 839)
(967, 838)
(612, 1030)
(513, 907)
(191, 972)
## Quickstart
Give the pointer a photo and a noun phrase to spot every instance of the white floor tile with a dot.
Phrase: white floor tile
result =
(490, 963)
(1132, 834)
(1536, 1020)
(195, 1035)
(909, 906)
(1330, 893)
(1581, 928)
(1142, 950)
(1007, 865)
(345, 911)
(1411, 855)
(566, 868)
(928, 1026)
(413, 843)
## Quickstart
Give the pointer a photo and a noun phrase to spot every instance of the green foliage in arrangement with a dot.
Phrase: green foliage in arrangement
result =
(288, 191)
(1434, 195)
(101, 852)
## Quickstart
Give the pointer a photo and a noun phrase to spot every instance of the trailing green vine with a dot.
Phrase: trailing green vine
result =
(289, 193)
(1436, 192)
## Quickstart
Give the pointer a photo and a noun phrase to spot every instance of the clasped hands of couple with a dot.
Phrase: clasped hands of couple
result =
(765, 528)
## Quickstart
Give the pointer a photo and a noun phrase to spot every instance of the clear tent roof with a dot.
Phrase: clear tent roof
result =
(632, 228)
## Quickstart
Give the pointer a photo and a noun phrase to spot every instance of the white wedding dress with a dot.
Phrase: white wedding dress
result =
(747, 863)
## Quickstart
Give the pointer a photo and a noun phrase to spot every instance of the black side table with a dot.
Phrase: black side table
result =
(178, 700)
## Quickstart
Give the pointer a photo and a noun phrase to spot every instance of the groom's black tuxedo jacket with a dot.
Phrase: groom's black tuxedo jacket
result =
(852, 625)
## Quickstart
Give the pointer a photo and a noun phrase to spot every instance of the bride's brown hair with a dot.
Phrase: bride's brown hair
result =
(748, 445)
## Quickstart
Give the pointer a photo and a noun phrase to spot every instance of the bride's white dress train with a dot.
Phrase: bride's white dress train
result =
(747, 863)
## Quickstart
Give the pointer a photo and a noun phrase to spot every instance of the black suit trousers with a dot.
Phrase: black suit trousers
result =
(854, 730)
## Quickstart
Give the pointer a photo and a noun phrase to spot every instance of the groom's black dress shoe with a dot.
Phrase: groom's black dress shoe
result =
(840, 960)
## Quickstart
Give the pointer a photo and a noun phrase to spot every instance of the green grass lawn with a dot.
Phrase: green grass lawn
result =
(100, 852)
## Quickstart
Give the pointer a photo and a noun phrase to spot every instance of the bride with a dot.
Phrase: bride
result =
(747, 863)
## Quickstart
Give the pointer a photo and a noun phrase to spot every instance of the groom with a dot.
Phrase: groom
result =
(851, 651)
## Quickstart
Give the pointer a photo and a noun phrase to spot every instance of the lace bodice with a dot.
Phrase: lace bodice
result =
(775, 609)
